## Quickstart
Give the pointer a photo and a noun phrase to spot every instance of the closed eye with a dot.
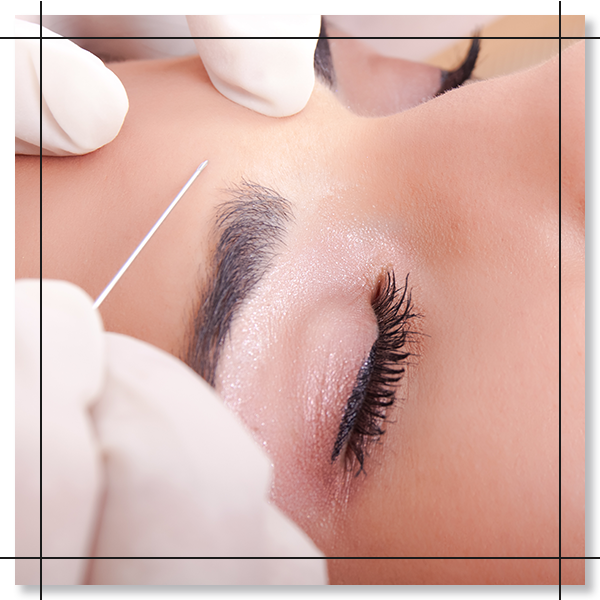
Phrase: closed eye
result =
(374, 392)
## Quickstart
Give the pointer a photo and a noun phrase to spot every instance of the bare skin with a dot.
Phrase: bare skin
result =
(462, 193)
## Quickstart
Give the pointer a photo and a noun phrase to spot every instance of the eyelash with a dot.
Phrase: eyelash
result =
(454, 79)
(374, 391)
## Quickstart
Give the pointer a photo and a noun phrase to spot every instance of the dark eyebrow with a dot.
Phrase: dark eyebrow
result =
(324, 69)
(249, 227)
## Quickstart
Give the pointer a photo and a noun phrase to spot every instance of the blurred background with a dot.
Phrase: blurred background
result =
(497, 57)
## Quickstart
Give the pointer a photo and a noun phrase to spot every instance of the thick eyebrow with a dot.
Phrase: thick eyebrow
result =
(249, 228)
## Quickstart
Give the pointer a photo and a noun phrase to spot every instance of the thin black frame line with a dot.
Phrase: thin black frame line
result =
(559, 299)
(306, 38)
(311, 557)
(13, 328)
(162, 13)
(303, 557)
(41, 275)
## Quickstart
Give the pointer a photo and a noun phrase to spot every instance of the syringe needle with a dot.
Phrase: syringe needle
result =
(171, 206)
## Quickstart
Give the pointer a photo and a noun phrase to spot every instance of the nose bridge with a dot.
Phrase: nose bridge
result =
(416, 184)
(384, 171)
(327, 155)
(369, 171)
(410, 181)
(468, 172)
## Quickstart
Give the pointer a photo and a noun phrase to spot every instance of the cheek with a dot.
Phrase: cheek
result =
(471, 466)
(436, 571)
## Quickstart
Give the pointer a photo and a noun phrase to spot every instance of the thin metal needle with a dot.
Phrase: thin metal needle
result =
(171, 206)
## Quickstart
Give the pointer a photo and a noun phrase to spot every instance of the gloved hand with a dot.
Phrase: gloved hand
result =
(272, 77)
(140, 458)
(84, 103)
(83, 106)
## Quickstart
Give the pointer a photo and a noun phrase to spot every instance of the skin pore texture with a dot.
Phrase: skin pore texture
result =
(459, 192)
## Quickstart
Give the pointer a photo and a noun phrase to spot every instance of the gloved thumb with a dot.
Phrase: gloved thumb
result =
(83, 103)
(274, 77)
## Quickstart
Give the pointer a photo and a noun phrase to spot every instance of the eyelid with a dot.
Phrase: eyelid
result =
(378, 376)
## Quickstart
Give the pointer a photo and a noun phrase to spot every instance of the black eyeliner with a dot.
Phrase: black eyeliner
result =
(375, 387)
(355, 403)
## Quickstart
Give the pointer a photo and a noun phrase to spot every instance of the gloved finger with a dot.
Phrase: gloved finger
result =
(274, 77)
(137, 37)
(83, 103)
(73, 372)
(27, 426)
(72, 349)
(185, 478)
(207, 571)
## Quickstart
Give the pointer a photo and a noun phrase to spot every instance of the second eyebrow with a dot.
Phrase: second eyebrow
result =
(324, 68)
(249, 228)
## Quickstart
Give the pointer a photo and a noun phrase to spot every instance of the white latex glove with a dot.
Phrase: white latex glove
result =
(272, 77)
(140, 458)
(83, 103)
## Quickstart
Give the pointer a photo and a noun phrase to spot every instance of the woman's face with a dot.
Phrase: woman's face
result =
(459, 198)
